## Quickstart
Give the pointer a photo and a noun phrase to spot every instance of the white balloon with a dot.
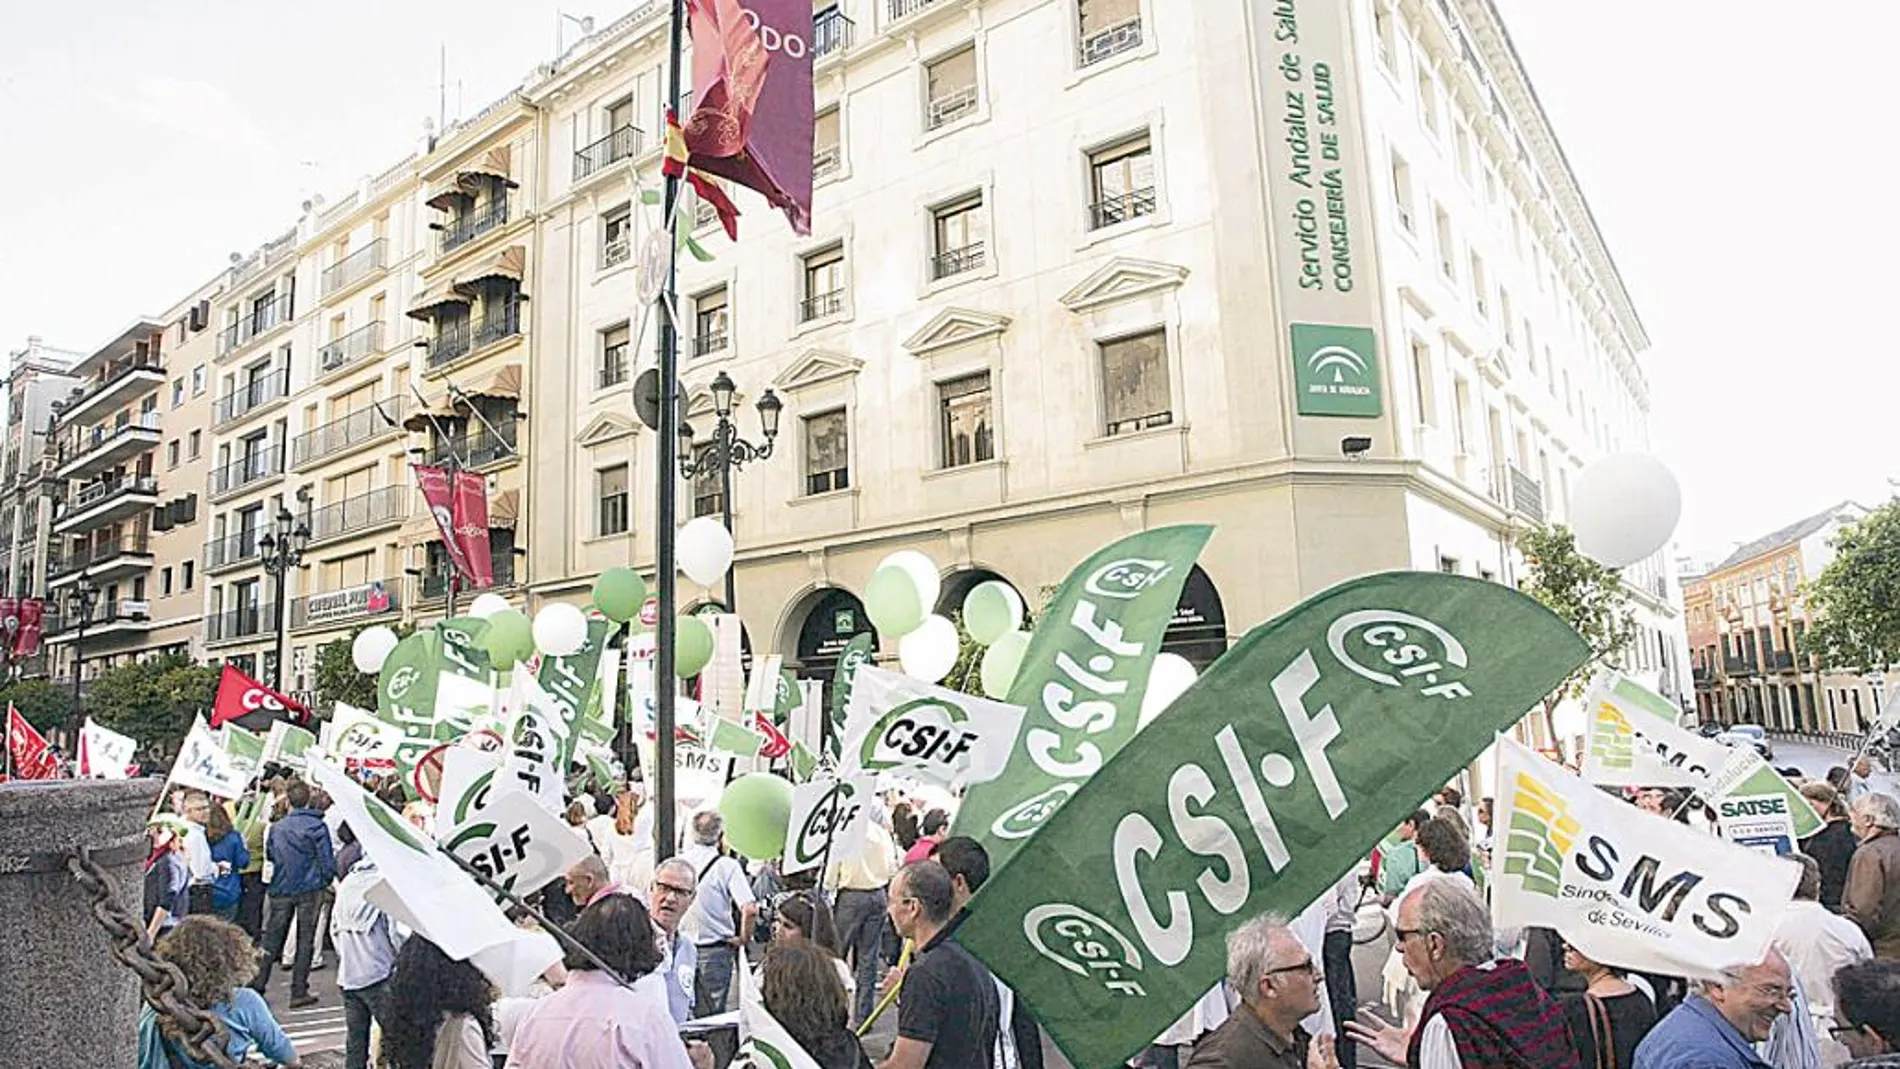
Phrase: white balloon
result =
(486, 605)
(705, 550)
(929, 652)
(1624, 508)
(1171, 675)
(560, 629)
(371, 648)
(922, 571)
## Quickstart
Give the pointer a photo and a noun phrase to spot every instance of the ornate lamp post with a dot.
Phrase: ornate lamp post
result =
(282, 549)
(729, 452)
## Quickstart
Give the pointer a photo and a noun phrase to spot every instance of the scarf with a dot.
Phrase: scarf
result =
(1499, 1019)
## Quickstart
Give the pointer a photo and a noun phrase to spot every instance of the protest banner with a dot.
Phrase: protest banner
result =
(286, 744)
(1082, 680)
(103, 752)
(251, 704)
(828, 819)
(405, 694)
(860, 651)
(762, 685)
(573, 683)
(358, 738)
(202, 764)
(533, 757)
(244, 748)
(1625, 887)
(511, 838)
(763, 1041)
(905, 726)
(1260, 786)
(1758, 821)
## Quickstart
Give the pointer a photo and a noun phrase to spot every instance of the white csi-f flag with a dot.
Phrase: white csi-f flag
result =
(203, 764)
(1625, 887)
(105, 754)
(763, 1042)
(287, 743)
(534, 733)
(353, 734)
(904, 726)
(424, 889)
(828, 821)
(505, 833)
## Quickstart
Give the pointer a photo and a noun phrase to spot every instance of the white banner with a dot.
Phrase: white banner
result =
(1634, 741)
(202, 763)
(507, 835)
(534, 742)
(108, 754)
(763, 1042)
(1627, 888)
(423, 888)
(287, 743)
(761, 687)
(828, 818)
(722, 684)
(903, 726)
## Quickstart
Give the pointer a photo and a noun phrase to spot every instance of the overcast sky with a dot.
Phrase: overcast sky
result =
(1736, 155)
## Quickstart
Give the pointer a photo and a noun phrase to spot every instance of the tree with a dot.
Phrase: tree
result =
(1584, 594)
(153, 700)
(337, 679)
(1856, 600)
(44, 703)
(967, 676)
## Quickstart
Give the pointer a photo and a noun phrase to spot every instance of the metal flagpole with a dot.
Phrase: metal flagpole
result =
(665, 689)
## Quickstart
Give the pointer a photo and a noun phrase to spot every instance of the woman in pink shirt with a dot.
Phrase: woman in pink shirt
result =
(933, 826)
(596, 1022)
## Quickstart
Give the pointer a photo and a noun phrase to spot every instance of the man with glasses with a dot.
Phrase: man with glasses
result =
(1718, 1026)
(948, 1016)
(1279, 986)
(1867, 1007)
(675, 883)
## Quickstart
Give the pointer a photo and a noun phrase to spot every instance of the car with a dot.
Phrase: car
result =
(1709, 729)
(1733, 738)
(1758, 733)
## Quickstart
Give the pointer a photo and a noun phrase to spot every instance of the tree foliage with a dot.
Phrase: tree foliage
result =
(337, 679)
(45, 703)
(1856, 600)
(1583, 593)
(967, 676)
(153, 700)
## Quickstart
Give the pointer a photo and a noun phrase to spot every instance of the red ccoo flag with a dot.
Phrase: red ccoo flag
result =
(252, 705)
(752, 119)
(28, 756)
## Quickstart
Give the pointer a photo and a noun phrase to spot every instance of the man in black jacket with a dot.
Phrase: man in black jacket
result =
(969, 867)
(303, 867)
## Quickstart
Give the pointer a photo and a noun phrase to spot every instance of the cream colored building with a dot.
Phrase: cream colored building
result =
(38, 377)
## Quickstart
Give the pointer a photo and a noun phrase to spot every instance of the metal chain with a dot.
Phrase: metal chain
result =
(205, 1037)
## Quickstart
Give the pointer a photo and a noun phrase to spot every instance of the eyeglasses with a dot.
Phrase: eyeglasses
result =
(1774, 992)
(1841, 1032)
(673, 889)
(1309, 966)
(1402, 934)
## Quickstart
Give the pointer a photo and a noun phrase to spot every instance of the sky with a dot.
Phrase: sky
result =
(1735, 155)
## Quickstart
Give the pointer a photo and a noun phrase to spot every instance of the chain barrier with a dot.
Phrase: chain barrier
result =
(203, 1034)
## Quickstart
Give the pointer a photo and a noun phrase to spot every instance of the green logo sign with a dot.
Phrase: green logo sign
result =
(924, 729)
(1542, 830)
(1612, 739)
(1336, 370)
(756, 1053)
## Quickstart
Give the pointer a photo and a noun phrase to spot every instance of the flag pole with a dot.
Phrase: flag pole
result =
(666, 442)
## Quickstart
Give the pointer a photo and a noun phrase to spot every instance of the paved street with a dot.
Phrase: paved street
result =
(315, 1028)
(1814, 761)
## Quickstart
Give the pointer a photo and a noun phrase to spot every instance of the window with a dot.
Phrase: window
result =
(950, 88)
(709, 321)
(165, 582)
(171, 453)
(1427, 98)
(969, 430)
(827, 452)
(1510, 323)
(1121, 182)
(824, 284)
(197, 380)
(1479, 286)
(613, 356)
(197, 441)
(1423, 393)
(709, 483)
(613, 500)
(188, 573)
(1108, 27)
(178, 391)
(826, 154)
(1135, 393)
(1445, 260)
(620, 115)
(1461, 139)
(1402, 191)
(1448, 565)
(1387, 37)
(957, 236)
(616, 236)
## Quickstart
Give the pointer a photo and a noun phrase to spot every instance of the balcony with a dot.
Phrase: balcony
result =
(1112, 41)
(107, 501)
(259, 322)
(245, 622)
(831, 32)
(1778, 661)
(1112, 211)
(232, 551)
(1513, 488)
(903, 9)
(124, 557)
(114, 386)
(1736, 666)
(477, 447)
(382, 419)
(378, 508)
(118, 615)
(451, 342)
(103, 449)
(622, 144)
(351, 603)
(247, 472)
(950, 107)
(435, 584)
(251, 397)
(351, 347)
(820, 305)
(956, 261)
(710, 342)
(458, 338)
(353, 268)
(473, 223)
(825, 160)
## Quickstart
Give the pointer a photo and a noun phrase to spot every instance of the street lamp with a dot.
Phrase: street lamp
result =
(80, 602)
(282, 550)
(729, 452)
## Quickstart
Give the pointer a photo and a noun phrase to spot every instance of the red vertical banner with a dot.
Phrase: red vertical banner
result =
(752, 109)
(471, 527)
(9, 625)
(438, 493)
(26, 640)
(26, 749)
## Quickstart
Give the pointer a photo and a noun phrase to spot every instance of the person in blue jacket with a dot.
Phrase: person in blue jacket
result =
(230, 855)
(215, 956)
(303, 867)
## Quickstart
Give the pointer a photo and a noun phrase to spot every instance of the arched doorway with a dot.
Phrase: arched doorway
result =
(957, 586)
(832, 619)
(1199, 629)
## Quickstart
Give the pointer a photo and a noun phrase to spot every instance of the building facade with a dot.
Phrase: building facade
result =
(1748, 621)
(38, 377)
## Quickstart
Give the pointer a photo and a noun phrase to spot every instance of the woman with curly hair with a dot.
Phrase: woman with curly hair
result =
(217, 960)
(800, 984)
(441, 1011)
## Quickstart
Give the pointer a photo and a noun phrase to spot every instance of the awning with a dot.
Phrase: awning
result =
(505, 383)
(450, 194)
(419, 420)
(420, 529)
(510, 263)
(494, 163)
(504, 509)
(443, 292)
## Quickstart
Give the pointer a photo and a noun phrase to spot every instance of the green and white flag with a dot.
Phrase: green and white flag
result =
(1625, 887)
(574, 682)
(860, 651)
(715, 732)
(510, 837)
(405, 695)
(1262, 784)
(1082, 680)
(534, 747)
(358, 735)
(466, 689)
(287, 743)
(245, 748)
(803, 762)
(763, 1042)
(828, 819)
(761, 687)
(598, 718)
(202, 763)
(905, 726)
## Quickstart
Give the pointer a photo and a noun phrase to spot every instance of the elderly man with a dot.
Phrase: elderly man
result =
(948, 1016)
(1872, 897)
(1482, 1011)
(1719, 1025)
(1278, 983)
(587, 882)
(1867, 1004)
(674, 884)
(724, 913)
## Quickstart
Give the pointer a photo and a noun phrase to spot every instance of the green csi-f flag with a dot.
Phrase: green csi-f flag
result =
(1082, 679)
(405, 694)
(1256, 790)
(856, 654)
(574, 683)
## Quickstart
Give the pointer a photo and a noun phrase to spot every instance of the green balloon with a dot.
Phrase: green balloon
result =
(619, 593)
(509, 638)
(692, 646)
(990, 611)
(757, 808)
(1002, 661)
(893, 603)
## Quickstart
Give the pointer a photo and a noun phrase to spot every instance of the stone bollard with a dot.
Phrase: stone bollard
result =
(68, 1002)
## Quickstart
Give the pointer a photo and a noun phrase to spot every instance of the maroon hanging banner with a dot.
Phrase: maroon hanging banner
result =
(752, 114)
(471, 527)
(9, 625)
(26, 640)
(438, 493)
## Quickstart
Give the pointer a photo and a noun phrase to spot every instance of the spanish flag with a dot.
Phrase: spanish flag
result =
(676, 162)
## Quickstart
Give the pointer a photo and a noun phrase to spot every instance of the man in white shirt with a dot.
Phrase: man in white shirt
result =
(723, 889)
(1818, 943)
